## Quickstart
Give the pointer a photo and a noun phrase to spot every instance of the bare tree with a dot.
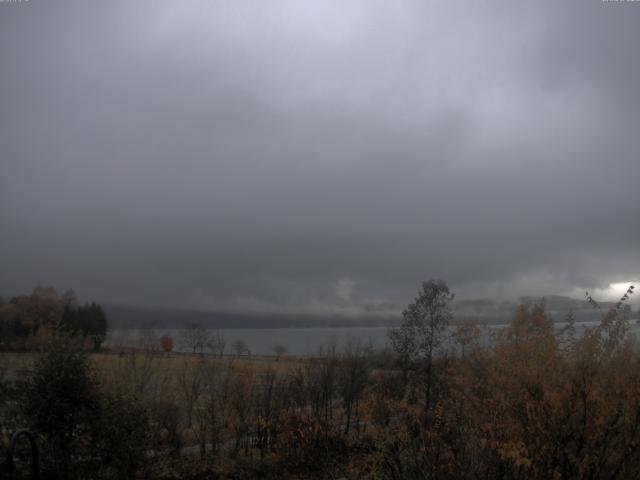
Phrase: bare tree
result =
(321, 379)
(190, 380)
(242, 405)
(466, 335)
(353, 379)
(195, 337)
(279, 350)
(148, 339)
(270, 401)
(138, 374)
(214, 416)
(216, 343)
(239, 346)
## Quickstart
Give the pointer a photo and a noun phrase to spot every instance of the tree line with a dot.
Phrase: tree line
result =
(28, 321)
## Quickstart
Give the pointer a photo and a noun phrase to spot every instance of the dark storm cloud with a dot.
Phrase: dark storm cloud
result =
(317, 156)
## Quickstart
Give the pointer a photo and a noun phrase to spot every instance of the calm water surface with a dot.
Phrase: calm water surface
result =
(301, 341)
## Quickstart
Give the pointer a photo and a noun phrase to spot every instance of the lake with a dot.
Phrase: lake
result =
(301, 341)
(260, 341)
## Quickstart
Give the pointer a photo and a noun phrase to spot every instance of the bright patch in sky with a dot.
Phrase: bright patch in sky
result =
(614, 291)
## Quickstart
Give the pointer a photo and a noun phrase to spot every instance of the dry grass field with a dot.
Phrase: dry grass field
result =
(14, 365)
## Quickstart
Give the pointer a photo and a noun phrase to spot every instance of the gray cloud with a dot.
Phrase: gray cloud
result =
(317, 156)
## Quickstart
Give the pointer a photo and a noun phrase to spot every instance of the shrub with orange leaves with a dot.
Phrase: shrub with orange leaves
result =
(167, 343)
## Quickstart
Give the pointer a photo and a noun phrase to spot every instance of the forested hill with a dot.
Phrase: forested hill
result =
(134, 317)
(484, 311)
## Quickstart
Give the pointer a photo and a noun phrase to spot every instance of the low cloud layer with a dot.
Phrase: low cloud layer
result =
(318, 157)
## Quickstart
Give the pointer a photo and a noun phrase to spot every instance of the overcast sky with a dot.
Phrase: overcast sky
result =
(318, 157)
